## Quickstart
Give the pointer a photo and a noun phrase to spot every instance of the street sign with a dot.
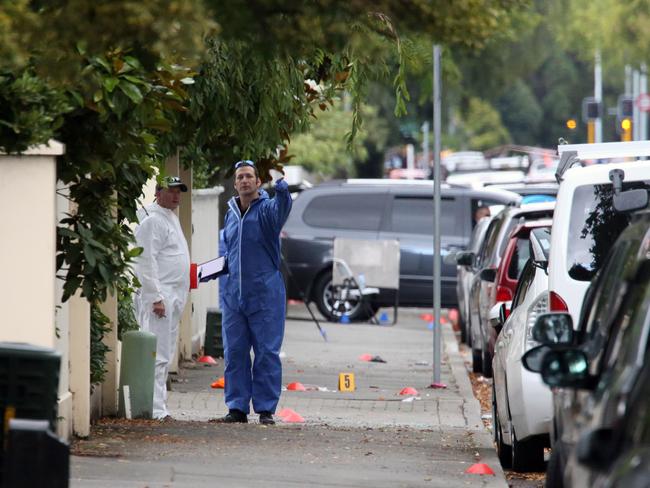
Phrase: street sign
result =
(643, 102)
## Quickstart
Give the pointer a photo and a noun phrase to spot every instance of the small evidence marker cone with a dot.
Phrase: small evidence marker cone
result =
(293, 417)
(207, 360)
(284, 412)
(383, 318)
(479, 468)
(219, 383)
(453, 315)
(409, 390)
(344, 319)
(365, 357)
(296, 386)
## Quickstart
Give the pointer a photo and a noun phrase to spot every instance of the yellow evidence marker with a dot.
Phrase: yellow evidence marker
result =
(346, 382)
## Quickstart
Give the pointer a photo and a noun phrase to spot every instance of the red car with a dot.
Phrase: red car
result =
(507, 276)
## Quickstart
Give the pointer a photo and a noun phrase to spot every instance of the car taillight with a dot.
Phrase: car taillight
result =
(503, 294)
(539, 306)
(557, 303)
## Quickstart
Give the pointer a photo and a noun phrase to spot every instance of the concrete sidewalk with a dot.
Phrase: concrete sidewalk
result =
(369, 437)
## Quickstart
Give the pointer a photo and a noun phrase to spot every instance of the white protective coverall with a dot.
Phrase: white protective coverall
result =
(163, 270)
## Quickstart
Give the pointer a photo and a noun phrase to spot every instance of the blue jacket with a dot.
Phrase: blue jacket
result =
(252, 245)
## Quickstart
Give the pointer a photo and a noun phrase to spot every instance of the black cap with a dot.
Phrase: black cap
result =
(172, 182)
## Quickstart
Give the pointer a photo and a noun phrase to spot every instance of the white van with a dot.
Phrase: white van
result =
(585, 224)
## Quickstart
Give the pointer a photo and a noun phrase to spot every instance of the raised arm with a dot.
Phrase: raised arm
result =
(280, 205)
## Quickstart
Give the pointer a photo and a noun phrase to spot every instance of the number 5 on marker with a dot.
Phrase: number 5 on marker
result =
(346, 382)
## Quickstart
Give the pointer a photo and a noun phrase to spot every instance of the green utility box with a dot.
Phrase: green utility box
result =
(29, 383)
(137, 369)
(213, 337)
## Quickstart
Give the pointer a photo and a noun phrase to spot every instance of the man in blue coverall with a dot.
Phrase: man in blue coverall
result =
(253, 296)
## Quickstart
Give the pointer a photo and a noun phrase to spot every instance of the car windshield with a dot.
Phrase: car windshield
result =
(593, 228)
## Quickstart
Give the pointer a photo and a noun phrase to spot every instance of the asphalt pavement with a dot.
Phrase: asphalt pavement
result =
(370, 437)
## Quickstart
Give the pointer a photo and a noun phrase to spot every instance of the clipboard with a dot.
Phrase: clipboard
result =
(212, 269)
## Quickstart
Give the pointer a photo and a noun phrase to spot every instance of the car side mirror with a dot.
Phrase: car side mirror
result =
(465, 258)
(532, 359)
(566, 368)
(630, 200)
(594, 449)
(488, 274)
(553, 328)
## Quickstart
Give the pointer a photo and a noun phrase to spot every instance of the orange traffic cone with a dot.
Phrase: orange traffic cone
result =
(365, 357)
(219, 383)
(296, 387)
(207, 360)
(409, 390)
(479, 468)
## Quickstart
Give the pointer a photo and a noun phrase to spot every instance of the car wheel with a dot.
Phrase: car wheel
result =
(333, 305)
(504, 452)
(487, 362)
(527, 455)
(477, 361)
(555, 468)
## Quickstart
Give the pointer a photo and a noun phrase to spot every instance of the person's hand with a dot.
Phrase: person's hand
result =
(159, 309)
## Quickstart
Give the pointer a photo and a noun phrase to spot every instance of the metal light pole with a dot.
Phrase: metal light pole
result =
(425, 144)
(437, 85)
(598, 96)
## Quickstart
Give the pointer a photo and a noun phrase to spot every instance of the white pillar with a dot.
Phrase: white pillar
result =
(79, 316)
(28, 245)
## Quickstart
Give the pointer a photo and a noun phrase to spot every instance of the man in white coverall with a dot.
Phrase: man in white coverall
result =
(163, 270)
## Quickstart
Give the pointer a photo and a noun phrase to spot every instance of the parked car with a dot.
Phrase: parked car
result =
(521, 402)
(465, 274)
(525, 189)
(603, 371)
(585, 225)
(512, 264)
(379, 209)
(486, 263)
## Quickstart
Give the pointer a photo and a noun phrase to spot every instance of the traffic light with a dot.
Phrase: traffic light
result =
(626, 129)
(625, 108)
(591, 109)
(624, 115)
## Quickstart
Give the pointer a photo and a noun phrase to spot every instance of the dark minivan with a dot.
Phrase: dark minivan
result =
(377, 210)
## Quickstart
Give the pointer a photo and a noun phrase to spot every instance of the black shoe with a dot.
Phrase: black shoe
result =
(233, 417)
(266, 418)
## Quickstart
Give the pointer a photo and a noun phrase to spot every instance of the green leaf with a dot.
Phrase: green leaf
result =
(110, 84)
(90, 256)
(135, 79)
(131, 91)
(98, 96)
(102, 62)
(62, 231)
(134, 252)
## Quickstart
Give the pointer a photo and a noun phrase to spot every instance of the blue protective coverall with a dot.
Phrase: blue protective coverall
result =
(253, 299)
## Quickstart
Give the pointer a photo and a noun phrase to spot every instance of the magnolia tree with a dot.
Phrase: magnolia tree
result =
(125, 84)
